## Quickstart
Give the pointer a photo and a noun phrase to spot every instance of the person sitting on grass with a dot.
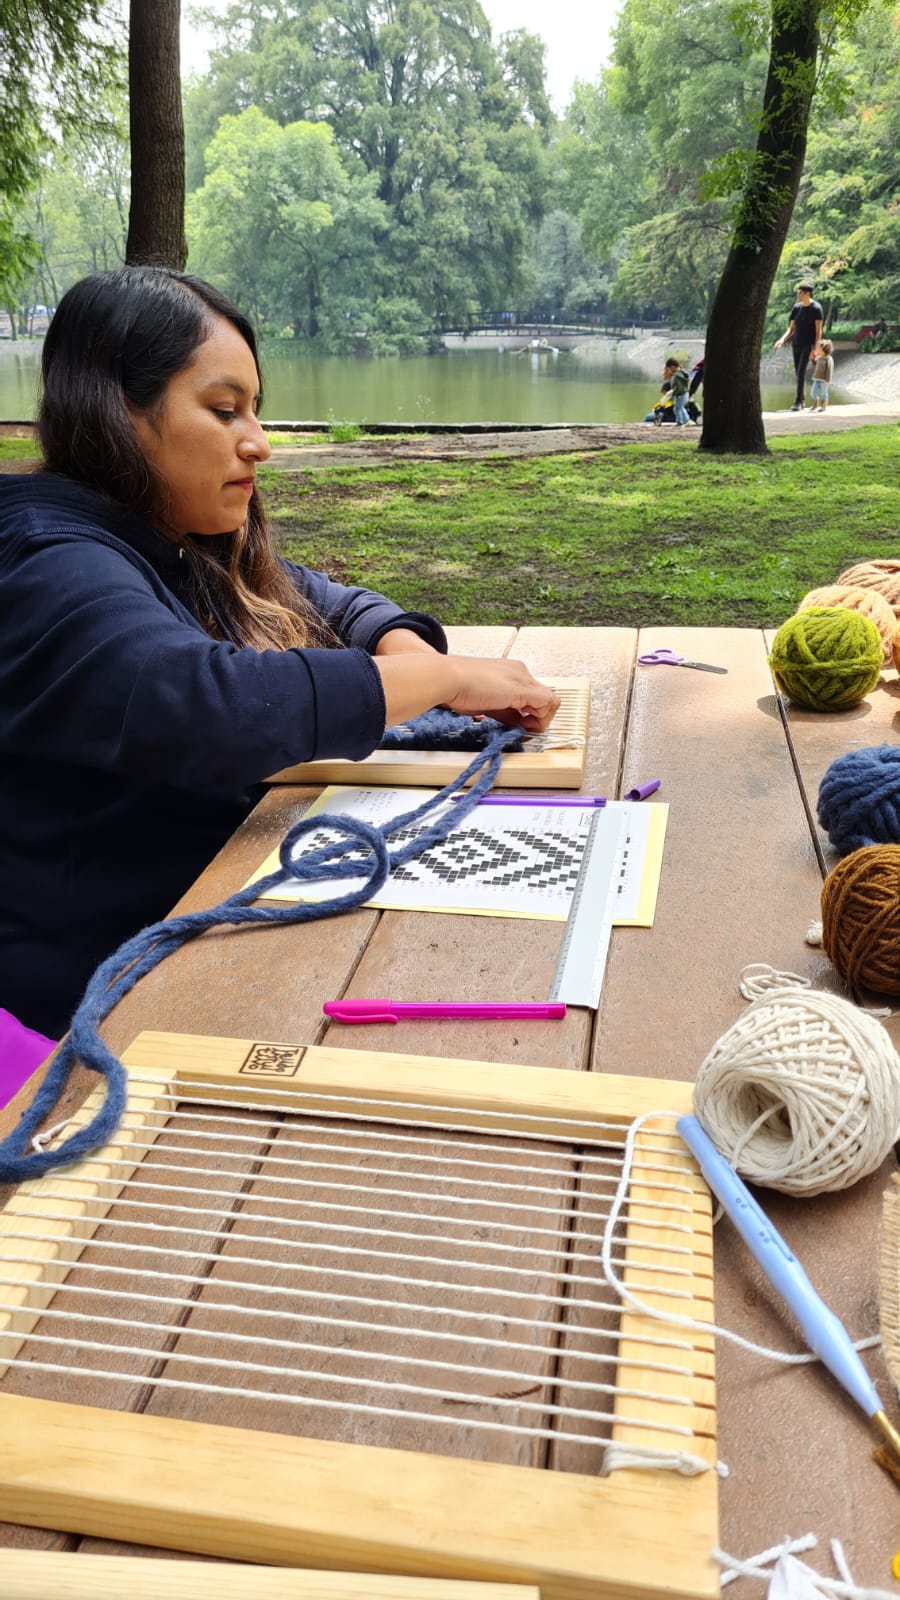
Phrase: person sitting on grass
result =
(158, 658)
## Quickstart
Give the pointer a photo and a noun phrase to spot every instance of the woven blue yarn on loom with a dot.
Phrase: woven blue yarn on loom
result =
(362, 851)
(859, 799)
(447, 730)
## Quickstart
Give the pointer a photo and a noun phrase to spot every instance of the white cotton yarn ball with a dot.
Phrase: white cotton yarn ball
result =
(802, 1094)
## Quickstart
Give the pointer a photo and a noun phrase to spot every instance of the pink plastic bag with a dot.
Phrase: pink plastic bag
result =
(21, 1050)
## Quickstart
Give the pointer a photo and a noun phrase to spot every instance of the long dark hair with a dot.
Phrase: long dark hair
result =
(115, 341)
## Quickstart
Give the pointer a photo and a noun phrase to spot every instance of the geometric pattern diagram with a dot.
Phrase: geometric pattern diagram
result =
(355, 1317)
(520, 857)
(517, 857)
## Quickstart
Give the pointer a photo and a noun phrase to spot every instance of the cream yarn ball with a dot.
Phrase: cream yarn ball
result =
(802, 1094)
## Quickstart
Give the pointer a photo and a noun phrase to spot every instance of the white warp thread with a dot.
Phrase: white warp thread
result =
(615, 1455)
(802, 1094)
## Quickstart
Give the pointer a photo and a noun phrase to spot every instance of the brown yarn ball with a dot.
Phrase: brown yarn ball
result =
(881, 575)
(868, 602)
(861, 918)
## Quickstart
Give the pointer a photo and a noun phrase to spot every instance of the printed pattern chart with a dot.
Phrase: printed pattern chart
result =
(517, 861)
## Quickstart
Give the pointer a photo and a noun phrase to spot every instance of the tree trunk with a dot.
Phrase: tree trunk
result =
(156, 216)
(732, 404)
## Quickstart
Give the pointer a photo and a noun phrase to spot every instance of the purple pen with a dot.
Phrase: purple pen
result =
(539, 799)
(401, 1010)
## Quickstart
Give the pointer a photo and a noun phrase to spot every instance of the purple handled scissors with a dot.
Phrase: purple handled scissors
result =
(668, 658)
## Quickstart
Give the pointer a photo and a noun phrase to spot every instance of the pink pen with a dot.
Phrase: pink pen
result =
(401, 1010)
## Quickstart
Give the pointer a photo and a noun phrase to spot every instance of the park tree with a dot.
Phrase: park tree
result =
(801, 38)
(156, 218)
(58, 58)
(672, 103)
(844, 231)
(77, 208)
(606, 164)
(276, 219)
(450, 127)
(563, 281)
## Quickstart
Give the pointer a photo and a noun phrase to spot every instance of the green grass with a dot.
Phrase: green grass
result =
(17, 450)
(638, 534)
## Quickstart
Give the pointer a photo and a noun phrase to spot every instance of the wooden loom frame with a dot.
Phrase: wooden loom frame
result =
(45, 1575)
(523, 769)
(246, 1495)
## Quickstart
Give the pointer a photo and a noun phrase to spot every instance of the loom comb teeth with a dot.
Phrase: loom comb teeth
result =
(552, 741)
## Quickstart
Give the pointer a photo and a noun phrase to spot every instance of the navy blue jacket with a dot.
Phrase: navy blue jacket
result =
(133, 744)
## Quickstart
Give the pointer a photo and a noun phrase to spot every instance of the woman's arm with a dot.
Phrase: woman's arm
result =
(362, 617)
(416, 678)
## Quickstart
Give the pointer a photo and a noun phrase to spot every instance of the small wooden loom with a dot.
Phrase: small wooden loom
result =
(533, 767)
(245, 1169)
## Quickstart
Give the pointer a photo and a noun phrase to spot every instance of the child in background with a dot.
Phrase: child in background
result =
(823, 372)
(678, 381)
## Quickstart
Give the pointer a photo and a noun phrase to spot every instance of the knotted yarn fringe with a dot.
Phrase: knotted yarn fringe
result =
(119, 973)
(765, 1565)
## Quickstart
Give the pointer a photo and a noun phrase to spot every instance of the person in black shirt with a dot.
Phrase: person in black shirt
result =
(804, 330)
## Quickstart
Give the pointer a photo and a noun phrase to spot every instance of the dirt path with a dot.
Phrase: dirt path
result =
(555, 441)
(544, 441)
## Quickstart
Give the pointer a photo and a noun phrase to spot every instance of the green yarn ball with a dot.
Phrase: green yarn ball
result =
(826, 658)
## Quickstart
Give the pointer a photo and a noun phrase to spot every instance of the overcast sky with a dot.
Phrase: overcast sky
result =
(576, 33)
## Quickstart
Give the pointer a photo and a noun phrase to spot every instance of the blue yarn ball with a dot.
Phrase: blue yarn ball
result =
(859, 799)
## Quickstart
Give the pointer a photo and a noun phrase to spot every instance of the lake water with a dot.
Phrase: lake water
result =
(458, 386)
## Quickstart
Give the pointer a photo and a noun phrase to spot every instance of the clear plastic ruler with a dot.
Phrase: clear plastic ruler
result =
(581, 963)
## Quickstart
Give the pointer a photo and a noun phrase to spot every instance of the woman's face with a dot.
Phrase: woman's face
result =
(203, 439)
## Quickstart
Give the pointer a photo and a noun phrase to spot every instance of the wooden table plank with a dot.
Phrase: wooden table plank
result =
(740, 883)
(496, 641)
(740, 877)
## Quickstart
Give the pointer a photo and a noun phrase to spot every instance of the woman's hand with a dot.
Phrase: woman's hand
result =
(503, 689)
(416, 681)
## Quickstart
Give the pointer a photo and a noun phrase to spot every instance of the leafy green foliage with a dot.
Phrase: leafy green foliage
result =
(273, 214)
(77, 209)
(562, 277)
(58, 59)
(433, 124)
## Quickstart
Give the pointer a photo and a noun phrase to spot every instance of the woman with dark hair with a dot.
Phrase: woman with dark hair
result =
(158, 660)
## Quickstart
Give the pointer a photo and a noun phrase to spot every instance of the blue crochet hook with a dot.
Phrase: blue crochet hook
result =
(824, 1332)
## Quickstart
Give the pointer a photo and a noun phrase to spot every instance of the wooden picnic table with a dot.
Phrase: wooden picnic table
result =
(740, 883)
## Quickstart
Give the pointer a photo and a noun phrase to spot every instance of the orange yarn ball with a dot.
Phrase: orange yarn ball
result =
(881, 575)
(861, 918)
(868, 602)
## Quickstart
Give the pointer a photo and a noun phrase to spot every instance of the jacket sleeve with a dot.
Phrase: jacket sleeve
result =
(99, 670)
(360, 617)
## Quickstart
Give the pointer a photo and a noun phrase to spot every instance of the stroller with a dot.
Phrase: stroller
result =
(665, 411)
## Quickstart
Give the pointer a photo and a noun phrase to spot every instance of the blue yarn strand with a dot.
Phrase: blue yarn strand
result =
(362, 853)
